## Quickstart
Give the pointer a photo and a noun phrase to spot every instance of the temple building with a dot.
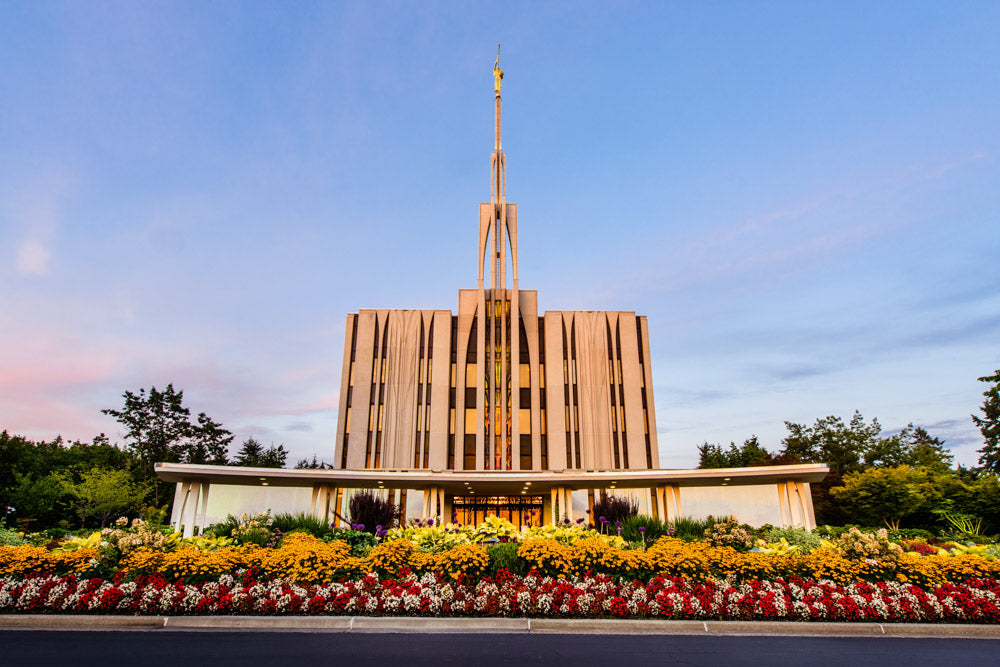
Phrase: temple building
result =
(498, 409)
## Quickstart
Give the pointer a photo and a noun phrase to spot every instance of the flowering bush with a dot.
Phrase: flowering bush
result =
(506, 595)
(855, 544)
(253, 528)
(730, 533)
(305, 559)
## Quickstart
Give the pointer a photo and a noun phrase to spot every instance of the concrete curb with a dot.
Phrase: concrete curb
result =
(383, 624)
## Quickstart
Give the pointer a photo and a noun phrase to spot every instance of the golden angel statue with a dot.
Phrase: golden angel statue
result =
(497, 73)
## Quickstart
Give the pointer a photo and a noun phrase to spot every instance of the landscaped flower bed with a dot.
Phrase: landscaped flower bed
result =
(559, 571)
(307, 560)
(507, 595)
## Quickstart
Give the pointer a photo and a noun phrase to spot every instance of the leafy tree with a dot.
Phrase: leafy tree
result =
(37, 501)
(209, 443)
(750, 453)
(913, 446)
(830, 441)
(158, 428)
(852, 448)
(156, 425)
(989, 424)
(887, 495)
(253, 455)
(102, 492)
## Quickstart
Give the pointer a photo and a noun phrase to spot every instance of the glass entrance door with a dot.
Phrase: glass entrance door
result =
(519, 510)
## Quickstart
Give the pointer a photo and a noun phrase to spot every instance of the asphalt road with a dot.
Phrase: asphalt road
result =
(161, 647)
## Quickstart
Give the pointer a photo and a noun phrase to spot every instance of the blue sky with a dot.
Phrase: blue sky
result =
(802, 197)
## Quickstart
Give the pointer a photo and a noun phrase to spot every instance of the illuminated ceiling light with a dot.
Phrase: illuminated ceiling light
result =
(263, 479)
(725, 479)
(263, 483)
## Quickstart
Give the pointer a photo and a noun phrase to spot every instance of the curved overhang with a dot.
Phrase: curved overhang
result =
(494, 483)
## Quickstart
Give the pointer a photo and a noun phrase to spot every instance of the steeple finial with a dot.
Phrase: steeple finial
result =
(497, 73)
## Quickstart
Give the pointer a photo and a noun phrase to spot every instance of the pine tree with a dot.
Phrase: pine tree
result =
(989, 425)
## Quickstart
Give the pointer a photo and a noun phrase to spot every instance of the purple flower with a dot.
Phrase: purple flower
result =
(642, 529)
(603, 519)
(580, 520)
(566, 520)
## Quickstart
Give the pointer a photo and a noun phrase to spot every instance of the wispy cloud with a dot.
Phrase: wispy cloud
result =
(33, 258)
(35, 206)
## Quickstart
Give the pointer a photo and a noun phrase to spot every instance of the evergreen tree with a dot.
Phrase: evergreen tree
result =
(250, 454)
(989, 424)
(253, 455)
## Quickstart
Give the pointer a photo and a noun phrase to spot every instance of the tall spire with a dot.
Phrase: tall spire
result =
(497, 78)
(498, 191)
(497, 315)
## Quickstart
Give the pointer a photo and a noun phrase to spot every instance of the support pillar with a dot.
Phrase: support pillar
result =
(185, 492)
(660, 500)
(202, 515)
(783, 502)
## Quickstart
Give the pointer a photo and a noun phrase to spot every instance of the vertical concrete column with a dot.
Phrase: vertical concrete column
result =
(185, 492)
(330, 506)
(190, 509)
(333, 506)
(312, 500)
(568, 496)
(783, 502)
(795, 505)
(590, 503)
(663, 514)
(674, 501)
(402, 507)
(555, 505)
(433, 502)
(203, 514)
(807, 501)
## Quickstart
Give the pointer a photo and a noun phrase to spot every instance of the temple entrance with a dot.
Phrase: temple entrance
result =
(519, 510)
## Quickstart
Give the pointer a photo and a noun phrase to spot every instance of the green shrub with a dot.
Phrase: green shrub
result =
(691, 530)
(913, 534)
(805, 540)
(302, 522)
(503, 556)
(247, 529)
(10, 537)
(654, 529)
(359, 541)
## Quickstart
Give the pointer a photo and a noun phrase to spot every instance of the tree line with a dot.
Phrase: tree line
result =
(902, 479)
(69, 484)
